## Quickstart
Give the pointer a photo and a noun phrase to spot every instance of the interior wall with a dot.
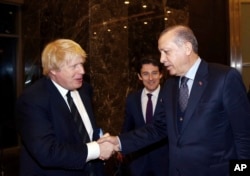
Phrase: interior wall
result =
(245, 38)
(115, 36)
(9, 38)
(209, 20)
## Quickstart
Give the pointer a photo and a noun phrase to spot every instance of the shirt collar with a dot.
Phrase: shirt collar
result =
(192, 71)
(154, 93)
(62, 90)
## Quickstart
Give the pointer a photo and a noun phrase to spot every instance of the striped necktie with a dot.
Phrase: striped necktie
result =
(77, 118)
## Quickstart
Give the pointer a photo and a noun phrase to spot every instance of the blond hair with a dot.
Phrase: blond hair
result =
(58, 52)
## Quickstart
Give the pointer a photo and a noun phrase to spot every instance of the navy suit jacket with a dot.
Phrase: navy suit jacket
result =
(51, 143)
(152, 159)
(216, 126)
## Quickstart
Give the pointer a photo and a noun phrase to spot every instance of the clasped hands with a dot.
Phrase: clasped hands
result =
(108, 146)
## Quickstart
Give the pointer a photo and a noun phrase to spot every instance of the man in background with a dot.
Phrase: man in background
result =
(151, 160)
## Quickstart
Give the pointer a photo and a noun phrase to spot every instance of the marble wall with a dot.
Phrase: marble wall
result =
(115, 36)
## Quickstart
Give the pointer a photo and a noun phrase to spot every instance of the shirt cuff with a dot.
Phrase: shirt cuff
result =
(120, 145)
(93, 151)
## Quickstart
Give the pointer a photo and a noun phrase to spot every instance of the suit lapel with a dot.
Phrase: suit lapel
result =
(61, 109)
(170, 98)
(57, 98)
(139, 107)
(199, 85)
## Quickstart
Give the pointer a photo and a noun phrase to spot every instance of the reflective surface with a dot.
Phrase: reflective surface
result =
(115, 36)
(8, 48)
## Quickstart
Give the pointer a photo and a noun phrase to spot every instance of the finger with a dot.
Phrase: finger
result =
(102, 140)
(117, 148)
(106, 135)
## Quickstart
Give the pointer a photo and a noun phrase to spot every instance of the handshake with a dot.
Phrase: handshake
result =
(108, 146)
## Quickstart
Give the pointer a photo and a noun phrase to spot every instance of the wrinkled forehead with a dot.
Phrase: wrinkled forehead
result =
(73, 58)
(167, 37)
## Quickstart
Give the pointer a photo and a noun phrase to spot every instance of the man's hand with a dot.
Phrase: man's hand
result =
(107, 146)
(106, 150)
(111, 139)
(107, 138)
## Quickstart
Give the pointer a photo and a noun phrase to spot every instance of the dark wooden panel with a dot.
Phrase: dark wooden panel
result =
(209, 20)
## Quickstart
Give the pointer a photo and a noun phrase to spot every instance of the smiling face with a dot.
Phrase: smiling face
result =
(62, 61)
(70, 75)
(150, 76)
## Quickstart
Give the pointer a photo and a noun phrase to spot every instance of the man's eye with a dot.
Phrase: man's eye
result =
(73, 66)
(76, 65)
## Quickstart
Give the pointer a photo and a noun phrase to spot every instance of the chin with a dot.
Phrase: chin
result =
(79, 84)
(172, 72)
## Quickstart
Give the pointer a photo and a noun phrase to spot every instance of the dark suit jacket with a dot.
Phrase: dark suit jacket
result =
(151, 160)
(216, 125)
(248, 94)
(51, 143)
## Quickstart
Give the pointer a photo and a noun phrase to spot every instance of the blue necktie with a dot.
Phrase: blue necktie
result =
(183, 94)
(149, 109)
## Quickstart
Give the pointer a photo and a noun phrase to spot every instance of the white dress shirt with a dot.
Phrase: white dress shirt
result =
(93, 147)
(144, 100)
(191, 75)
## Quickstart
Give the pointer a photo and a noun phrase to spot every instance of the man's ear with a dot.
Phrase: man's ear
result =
(161, 75)
(188, 47)
(53, 72)
(139, 76)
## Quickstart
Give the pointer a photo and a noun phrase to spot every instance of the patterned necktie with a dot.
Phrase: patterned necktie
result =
(183, 94)
(77, 118)
(149, 109)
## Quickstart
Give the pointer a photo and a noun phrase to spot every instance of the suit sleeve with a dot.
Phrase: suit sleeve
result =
(128, 123)
(49, 140)
(237, 107)
(144, 136)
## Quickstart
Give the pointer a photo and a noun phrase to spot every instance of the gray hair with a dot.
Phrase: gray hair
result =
(182, 34)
